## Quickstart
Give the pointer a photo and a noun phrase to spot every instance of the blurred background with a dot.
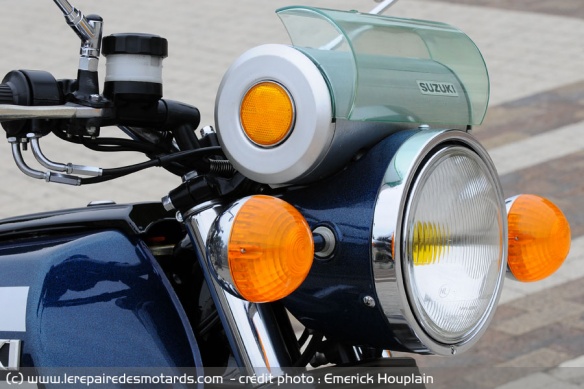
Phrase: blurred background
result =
(534, 130)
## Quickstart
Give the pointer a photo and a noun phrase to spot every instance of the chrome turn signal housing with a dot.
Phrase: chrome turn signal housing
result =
(260, 248)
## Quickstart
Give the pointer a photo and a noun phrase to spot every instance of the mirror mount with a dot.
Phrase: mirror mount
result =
(383, 5)
(89, 29)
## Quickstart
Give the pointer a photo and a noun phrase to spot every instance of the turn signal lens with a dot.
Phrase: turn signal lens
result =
(539, 238)
(267, 114)
(270, 249)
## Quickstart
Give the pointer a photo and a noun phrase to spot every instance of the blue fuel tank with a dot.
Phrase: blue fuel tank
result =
(81, 289)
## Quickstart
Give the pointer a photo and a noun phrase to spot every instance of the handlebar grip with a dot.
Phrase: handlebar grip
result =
(6, 95)
(28, 88)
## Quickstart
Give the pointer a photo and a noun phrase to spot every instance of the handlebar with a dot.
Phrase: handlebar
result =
(18, 112)
(33, 104)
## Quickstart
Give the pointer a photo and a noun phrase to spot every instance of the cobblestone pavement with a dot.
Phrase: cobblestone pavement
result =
(534, 131)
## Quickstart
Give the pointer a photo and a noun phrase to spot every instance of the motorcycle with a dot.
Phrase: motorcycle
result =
(340, 187)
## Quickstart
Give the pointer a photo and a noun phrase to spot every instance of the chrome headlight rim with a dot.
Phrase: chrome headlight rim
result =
(388, 241)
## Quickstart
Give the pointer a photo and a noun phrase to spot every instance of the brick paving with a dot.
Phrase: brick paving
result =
(533, 49)
(532, 115)
(530, 335)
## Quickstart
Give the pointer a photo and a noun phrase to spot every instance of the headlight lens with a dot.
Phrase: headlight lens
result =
(453, 243)
(439, 242)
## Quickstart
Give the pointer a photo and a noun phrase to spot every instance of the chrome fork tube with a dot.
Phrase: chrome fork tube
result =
(248, 328)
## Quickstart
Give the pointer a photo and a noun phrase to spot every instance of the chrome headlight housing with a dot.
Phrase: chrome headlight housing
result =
(439, 242)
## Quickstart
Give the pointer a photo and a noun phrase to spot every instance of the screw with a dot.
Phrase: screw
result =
(207, 130)
(369, 301)
(92, 130)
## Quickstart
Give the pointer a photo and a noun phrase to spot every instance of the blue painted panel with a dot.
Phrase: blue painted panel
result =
(331, 298)
(96, 300)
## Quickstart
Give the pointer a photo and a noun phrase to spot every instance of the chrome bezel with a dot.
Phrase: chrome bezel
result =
(218, 244)
(290, 128)
(388, 240)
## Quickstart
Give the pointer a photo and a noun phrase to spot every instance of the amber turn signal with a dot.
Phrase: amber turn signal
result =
(270, 249)
(267, 114)
(261, 249)
(539, 237)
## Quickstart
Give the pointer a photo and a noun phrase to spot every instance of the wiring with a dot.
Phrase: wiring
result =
(110, 174)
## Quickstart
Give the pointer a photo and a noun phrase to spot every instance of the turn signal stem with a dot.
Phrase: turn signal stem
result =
(325, 242)
(199, 189)
(319, 242)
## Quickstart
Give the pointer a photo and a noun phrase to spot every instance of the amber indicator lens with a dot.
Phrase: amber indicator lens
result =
(267, 114)
(270, 249)
(539, 238)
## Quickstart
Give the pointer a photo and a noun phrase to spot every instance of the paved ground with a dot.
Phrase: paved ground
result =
(534, 130)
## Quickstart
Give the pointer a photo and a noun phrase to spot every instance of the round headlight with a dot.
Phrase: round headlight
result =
(444, 273)
(452, 243)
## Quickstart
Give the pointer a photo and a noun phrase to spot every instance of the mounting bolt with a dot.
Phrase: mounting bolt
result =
(207, 130)
(369, 301)
(92, 130)
(167, 204)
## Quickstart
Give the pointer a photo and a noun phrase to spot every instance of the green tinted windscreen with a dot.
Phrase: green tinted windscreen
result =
(390, 69)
